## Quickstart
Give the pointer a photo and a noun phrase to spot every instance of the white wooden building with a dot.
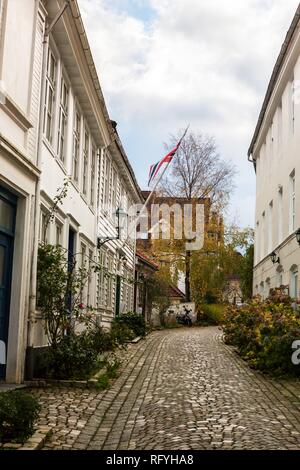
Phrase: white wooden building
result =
(56, 125)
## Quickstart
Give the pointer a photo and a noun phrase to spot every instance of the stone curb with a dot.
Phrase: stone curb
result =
(35, 442)
(43, 383)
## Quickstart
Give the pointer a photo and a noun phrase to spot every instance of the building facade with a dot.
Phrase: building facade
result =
(55, 129)
(274, 151)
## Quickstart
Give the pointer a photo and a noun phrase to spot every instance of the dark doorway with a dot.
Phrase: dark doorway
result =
(8, 204)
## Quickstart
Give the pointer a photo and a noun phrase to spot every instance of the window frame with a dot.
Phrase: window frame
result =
(76, 144)
(62, 119)
(85, 161)
(49, 111)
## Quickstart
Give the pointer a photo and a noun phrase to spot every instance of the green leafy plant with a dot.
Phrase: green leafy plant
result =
(263, 333)
(210, 314)
(77, 356)
(18, 412)
(133, 321)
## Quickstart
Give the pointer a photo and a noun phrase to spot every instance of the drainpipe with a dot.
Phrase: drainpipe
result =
(33, 269)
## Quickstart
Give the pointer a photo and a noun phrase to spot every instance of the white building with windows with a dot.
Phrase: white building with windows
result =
(54, 126)
(274, 151)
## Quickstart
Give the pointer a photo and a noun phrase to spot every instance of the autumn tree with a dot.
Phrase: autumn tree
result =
(197, 172)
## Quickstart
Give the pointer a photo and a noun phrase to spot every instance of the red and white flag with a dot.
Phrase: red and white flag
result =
(154, 169)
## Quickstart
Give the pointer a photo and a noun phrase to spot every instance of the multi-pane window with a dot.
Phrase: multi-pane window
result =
(85, 163)
(270, 227)
(110, 279)
(294, 282)
(93, 176)
(58, 234)
(83, 266)
(292, 201)
(49, 96)
(127, 289)
(90, 261)
(263, 235)
(280, 215)
(101, 289)
(76, 145)
(113, 191)
(106, 183)
(62, 121)
(44, 231)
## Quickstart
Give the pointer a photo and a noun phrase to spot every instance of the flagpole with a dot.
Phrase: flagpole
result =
(152, 192)
(145, 205)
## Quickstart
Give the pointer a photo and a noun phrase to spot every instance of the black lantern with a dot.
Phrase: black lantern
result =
(121, 217)
(275, 259)
(298, 236)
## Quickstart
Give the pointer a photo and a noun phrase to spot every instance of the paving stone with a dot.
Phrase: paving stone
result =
(179, 389)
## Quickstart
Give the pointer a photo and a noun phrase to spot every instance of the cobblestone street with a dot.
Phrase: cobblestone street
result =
(178, 389)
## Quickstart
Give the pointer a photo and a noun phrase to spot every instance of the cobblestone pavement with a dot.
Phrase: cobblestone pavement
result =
(178, 390)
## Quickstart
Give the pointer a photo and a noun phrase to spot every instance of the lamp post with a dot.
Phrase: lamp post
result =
(121, 217)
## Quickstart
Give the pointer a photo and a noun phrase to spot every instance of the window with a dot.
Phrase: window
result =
(292, 202)
(76, 145)
(58, 234)
(262, 289)
(294, 282)
(106, 183)
(101, 288)
(127, 289)
(113, 191)
(49, 96)
(85, 163)
(105, 279)
(44, 228)
(110, 269)
(268, 287)
(62, 122)
(257, 243)
(263, 235)
(279, 276)
(83, 267)
(280, 215)
(90, 261)
(270, 227)
(93, 174)
(279, 127)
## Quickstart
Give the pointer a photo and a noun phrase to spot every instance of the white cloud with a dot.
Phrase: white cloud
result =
(203, 62)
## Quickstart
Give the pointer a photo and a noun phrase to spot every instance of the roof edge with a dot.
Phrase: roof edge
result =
(275, 73)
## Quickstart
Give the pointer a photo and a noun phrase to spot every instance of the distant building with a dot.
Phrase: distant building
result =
(146, 239)
(274, 151)
(232, 292)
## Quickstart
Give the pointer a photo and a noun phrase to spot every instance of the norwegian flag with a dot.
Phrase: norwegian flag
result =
(154, 169)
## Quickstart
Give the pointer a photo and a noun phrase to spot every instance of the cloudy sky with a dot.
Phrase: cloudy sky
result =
(166, 63)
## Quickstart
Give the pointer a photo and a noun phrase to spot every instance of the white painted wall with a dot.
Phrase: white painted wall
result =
(277, 157)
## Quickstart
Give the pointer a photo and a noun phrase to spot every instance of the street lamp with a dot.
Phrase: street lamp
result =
(275, 259)
(121, 217)
(298, 236)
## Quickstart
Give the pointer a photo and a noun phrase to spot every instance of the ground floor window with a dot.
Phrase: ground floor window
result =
(294, 282)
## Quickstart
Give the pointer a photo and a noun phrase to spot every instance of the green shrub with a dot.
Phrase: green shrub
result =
(74, 357)
(210, 314)
(133, 321)
(263, 334)
(18, 412)
(121, 333)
